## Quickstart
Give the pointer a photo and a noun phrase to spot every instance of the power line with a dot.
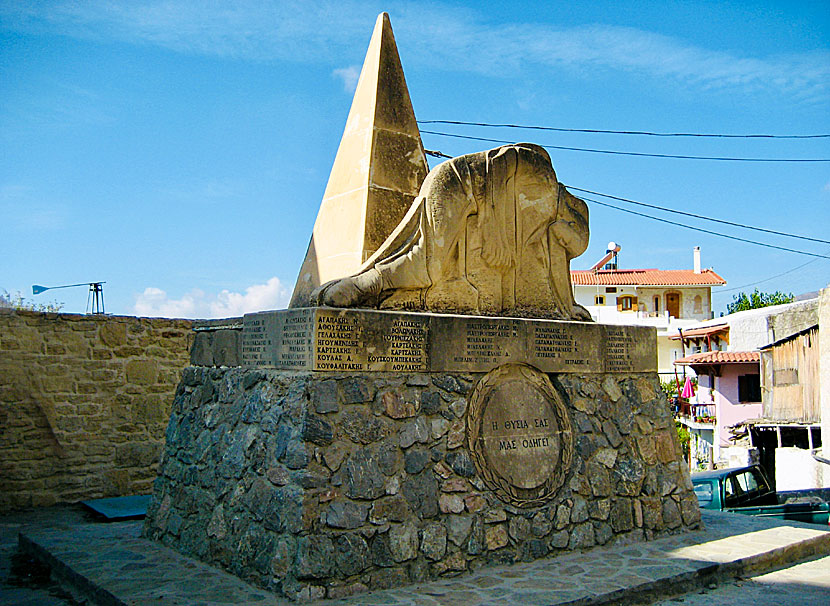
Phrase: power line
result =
(439, 154)
(624, 132)
(720, 292)
(707, 231)
(671, 210)
(680, 212)
(624, 153)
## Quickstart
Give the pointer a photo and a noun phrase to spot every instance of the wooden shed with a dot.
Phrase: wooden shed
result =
(790, 386)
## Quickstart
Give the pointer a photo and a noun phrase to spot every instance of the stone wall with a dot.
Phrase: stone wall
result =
(84, 401)
(317, 484)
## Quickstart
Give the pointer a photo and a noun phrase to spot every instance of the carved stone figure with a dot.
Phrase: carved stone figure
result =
(490, 233)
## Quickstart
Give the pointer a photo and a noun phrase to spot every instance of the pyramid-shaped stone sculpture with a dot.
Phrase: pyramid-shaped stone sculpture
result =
(377, 172)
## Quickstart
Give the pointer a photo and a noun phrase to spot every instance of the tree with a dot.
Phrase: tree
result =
(17, 301)
(754, 300)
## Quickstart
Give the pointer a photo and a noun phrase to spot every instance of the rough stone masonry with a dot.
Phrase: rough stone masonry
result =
(317, 484)
(84, 401)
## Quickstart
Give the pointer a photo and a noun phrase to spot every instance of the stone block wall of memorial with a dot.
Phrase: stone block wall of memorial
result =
(84, 401)
(324, 484)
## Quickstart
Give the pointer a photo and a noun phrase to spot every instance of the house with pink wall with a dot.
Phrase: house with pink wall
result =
(734, 401)
(728, 394)
(731, 417)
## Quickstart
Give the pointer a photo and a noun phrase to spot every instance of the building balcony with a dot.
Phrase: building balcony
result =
(662, 321)
(693, 424)
(697, 416)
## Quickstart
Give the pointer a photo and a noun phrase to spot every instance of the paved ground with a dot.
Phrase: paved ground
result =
(806, 584)
(28, 584)
(110, 562)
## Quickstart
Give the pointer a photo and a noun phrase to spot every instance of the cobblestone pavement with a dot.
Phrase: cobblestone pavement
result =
(806, 584)
(122, 568)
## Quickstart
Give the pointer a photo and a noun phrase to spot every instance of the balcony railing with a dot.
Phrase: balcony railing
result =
(660, 320)
(704, 414)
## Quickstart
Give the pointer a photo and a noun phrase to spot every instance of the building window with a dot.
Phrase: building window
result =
(749, 388)
(626, 303)
(599, 300)
(656, 302)
(610, 289)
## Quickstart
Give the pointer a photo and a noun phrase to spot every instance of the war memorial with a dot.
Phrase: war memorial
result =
(433, 401)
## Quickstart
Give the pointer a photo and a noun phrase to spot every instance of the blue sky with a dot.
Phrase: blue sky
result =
(179, 150)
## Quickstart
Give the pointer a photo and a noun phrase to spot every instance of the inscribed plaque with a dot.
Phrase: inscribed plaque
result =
(360, 340)
(519, 434)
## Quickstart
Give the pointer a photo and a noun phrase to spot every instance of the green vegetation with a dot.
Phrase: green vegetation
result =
(683, 437)
(669, 389)
(17, 301)
(756, 299)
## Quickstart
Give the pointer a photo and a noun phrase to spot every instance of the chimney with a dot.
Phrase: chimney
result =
(697, 259)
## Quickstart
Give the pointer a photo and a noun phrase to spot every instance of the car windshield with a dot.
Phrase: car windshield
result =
(703, 492)
(747, 481)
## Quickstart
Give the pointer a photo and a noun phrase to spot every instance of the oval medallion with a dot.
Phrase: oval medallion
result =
(519, 434)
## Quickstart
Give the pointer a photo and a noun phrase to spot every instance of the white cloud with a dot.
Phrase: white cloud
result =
(446, 38)
(349, 76)
(154, 302)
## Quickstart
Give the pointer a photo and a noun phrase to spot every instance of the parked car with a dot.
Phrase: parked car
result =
(746, 490)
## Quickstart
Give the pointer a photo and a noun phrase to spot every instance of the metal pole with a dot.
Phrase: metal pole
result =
(97, 291)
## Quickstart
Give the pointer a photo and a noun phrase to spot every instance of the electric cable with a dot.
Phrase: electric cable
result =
(707, 231)
(704, 218)
(671, 210)
(803, 265)
(625, 132)
(626, 153)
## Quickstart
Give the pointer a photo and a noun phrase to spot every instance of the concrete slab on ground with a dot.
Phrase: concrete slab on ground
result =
(28, 585)
(111, 564)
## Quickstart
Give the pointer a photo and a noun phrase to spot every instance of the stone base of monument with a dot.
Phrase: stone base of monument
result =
(493, 441)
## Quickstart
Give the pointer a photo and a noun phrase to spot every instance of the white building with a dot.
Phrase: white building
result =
(667, 299)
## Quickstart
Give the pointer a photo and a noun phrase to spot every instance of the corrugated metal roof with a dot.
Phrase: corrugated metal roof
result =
(646, 277)
(720, 357)
(789, 337)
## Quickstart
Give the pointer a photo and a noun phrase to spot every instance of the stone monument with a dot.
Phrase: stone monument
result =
(435, 404)
(489, 233)
(379, 167)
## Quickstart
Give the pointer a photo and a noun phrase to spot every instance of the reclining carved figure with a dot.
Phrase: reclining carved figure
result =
(490, 233)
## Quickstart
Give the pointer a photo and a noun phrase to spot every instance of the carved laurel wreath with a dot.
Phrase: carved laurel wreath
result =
(520, 497)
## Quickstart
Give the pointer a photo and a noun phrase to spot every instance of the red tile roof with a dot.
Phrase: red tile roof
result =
(701, 332)
(646, 277)
(720, 357)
